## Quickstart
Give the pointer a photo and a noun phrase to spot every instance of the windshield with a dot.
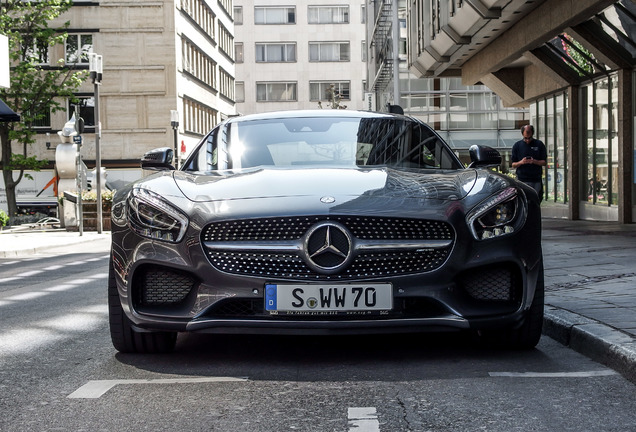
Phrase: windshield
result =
(326, 141)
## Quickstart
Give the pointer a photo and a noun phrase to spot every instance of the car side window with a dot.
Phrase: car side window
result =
(211, 153)
(404, 144)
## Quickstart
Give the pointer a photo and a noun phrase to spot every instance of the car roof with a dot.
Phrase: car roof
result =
(325, 113)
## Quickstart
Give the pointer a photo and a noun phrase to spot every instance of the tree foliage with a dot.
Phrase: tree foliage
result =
(580, 56)
(39, 86)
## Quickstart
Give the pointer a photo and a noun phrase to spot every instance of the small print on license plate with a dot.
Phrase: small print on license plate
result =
(308, 298)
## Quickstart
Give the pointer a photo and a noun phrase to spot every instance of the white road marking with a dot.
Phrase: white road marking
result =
(364, 419)
(580, 374)
(11, 279)
(30, 273)
(21, 275)
(96, 389)
(64, 287)
(26, 296)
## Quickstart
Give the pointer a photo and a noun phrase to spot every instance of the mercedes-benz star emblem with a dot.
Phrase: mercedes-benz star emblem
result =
(327, 247)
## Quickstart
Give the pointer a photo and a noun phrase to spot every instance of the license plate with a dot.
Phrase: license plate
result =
(308, 298)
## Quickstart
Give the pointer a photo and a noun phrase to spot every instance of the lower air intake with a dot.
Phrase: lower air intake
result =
(162, 287)
(500, 284)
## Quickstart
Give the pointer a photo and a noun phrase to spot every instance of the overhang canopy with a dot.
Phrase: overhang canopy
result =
(7, 114)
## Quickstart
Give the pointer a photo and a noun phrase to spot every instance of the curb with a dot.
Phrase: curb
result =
(598, 341)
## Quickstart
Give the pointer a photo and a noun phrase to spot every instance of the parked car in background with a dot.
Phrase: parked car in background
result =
(324, 222)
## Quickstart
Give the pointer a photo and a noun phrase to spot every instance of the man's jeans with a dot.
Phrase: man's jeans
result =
(538, 187)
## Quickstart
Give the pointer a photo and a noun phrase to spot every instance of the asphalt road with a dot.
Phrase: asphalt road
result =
(59, 372)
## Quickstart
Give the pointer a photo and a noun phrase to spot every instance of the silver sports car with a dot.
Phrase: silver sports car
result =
(324, 222)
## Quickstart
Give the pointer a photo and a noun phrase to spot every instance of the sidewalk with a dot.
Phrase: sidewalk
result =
(23, 241)
(590, 277)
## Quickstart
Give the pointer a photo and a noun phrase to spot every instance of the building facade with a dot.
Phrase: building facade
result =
(571, 63)
(299, 55)
(158, 57)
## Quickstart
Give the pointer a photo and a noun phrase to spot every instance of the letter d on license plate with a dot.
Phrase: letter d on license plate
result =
(337, 297)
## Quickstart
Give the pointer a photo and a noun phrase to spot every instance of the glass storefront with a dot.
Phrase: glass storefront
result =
(549, 117)
(634, 151)
(463, 115)
(600, 159)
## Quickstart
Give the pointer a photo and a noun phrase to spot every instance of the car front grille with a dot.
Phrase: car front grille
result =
(494, 284)
(290, 264)
(162, 287)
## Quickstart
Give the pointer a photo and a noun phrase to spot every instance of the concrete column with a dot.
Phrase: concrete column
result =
(574, 150)
(625, 145)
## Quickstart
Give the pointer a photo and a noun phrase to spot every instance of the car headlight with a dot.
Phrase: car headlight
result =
(151, 216)
(499, 215)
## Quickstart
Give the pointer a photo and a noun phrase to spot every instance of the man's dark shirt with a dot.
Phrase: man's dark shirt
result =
(534, 149)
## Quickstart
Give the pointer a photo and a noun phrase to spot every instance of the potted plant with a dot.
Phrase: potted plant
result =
(89, 209)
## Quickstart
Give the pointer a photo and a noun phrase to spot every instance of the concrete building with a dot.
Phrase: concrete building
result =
(293, 55)
(571, 63)
(158, 56)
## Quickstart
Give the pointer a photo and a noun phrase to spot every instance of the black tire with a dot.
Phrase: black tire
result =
(125, 339)
(527, 335)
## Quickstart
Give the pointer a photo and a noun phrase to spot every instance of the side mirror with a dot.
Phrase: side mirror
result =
(483, 156)
(158, 159)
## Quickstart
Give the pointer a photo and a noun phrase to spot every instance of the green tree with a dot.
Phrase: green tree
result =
(38, 87)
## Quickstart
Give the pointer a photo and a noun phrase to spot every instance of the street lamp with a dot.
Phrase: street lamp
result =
(95, 66)
(174, 122)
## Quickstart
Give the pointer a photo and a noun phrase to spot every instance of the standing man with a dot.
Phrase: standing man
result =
(529, 156)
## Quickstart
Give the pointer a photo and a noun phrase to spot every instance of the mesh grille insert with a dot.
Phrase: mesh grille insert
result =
(500, 283)
(164, 286)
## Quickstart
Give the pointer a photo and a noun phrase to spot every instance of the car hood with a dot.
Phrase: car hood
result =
(326, 182)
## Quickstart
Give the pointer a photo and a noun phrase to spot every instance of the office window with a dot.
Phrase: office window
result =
(43, 120)
(77, 47)
(38, 52)
(226, 41)
(238, 15)
(328, 15)
(274, 15)
(328, 51)
(226, 84)
(198, 64)
(201, 13)
(275, 52)
(239, 89)
(226, 4)
(276, 91)
(85, 105)
(238, 52)
(323, 90)
(198, 118)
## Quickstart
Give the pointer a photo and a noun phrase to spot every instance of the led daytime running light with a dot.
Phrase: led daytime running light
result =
(152, 217)
(503, 218)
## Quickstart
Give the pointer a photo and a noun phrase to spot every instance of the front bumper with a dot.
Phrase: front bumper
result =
(458, 295)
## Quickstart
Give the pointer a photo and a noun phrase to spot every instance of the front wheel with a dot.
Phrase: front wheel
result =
(125, 339)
